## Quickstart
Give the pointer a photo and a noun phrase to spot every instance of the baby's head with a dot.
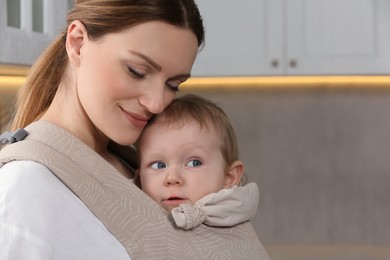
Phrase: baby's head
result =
(209, 117)
(187, 152)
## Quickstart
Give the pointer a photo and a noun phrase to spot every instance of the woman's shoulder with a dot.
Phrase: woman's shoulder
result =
(25, 176)
(23, 171)
(27, 183)
(31, 187)
(39, 211)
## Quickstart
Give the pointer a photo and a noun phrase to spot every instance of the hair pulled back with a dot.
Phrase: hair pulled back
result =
(99, 17)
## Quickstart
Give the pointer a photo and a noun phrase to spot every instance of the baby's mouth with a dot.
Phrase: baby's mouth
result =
(175, 201)
(175, 198)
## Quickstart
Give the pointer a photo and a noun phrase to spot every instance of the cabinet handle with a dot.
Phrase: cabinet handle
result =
(275, 63)
(293, 63)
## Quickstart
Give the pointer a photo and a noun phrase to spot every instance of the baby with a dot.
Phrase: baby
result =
(188, 163)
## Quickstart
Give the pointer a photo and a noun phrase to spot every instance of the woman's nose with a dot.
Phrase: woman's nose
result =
(152, 104)
(153, 99)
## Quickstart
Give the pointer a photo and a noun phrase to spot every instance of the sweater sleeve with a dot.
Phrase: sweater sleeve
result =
(228, 207)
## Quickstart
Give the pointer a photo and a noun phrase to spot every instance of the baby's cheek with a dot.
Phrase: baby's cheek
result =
(147, 184)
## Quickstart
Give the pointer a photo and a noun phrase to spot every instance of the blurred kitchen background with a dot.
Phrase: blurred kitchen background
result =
(306, 85)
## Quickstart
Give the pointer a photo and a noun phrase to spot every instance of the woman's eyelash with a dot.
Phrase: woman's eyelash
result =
(136, 74)
(173, 88)
(139, 75)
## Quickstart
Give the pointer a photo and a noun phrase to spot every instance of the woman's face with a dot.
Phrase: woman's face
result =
(124, 78)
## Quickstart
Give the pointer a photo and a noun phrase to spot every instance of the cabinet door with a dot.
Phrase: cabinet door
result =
(27, 27)
(243, 38)
(338, 37)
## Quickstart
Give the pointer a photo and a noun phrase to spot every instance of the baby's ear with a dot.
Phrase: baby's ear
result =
(234, 174)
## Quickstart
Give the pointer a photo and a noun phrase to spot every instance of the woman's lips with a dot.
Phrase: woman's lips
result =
(136, 120)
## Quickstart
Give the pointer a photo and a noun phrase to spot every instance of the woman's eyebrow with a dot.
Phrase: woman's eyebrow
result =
(147, 59)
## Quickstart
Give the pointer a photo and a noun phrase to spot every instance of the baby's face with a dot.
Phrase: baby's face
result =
(180, 165)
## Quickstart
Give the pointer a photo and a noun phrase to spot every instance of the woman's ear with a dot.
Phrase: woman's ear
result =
(234, 174)
(76, 37)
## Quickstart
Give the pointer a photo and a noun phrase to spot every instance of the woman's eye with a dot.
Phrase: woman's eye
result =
(194, 163)
(174, 86)
(136, 74)
(158, 165)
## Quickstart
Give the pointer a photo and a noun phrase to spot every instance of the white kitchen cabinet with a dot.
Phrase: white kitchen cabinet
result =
(27, 27)
(295, 37)
(338, 37)
(242, 38)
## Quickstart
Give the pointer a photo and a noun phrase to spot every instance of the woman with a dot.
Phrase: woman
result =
(117, 64)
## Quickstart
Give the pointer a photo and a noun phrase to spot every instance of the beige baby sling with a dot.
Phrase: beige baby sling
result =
(141, 225)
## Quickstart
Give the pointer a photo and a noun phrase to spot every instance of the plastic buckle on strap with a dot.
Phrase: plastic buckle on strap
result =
(12, 137)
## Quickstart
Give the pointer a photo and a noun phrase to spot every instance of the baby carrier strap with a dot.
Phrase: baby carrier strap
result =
(144, 228)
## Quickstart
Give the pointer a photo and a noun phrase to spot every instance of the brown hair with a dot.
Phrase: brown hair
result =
(99, 17)
(208, 115)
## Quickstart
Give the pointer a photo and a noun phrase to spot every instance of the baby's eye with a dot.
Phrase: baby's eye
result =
(194, 163)
(159, 165)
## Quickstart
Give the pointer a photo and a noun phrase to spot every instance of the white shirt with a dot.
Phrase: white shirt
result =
(40, 218)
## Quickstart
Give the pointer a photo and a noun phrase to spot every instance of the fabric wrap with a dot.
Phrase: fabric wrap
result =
(225, 208)
(145, 229)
